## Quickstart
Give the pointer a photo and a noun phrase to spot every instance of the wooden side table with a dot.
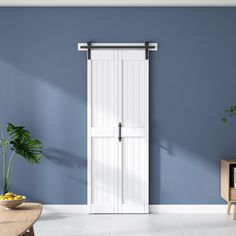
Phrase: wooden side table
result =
(19, 221)
(228, 191)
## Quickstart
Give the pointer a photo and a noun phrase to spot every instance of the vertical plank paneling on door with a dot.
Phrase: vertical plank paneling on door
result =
(93, 172)
(144, 175)
(135, 124)
(105, 125)
(129, 78)
(134, 120)
(133, 89)
(110, 170)
(142, 100)
(129, 170)
(103, 156)
(141, 176)
(102, 110)
(136, 94)
(124, 92)
(102, 165)
(146, 140)
(139, 169)
(100, 171)
(98, 94)
(97, 154)
(105, 94)
(93, 93)
(124, 119)
(139, 124)
(94, 113)
(95, 169)
(101, 119)
(110, 96)
(125, 142)
(108, 125)
(89, 139)
(105, 167)
(112, 141)
(119, 172)
(132, 82)
(93, 195)
(136, 170)
(126, 170)
(125, 99)
(130, 167)
(99, 163)
(124, 165)
(139, 88)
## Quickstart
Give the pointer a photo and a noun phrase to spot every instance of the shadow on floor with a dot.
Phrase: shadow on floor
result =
(52, 216)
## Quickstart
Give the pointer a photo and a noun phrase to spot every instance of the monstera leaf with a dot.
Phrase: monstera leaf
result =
(23, 144)
(231, 111)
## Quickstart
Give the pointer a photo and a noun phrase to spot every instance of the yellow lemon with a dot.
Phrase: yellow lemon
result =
(9, 194)
(19, 197)
(10, 198)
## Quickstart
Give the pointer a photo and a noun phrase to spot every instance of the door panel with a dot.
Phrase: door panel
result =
(134, 170)
(104, 94)
(104, 175)
(133, 78)
(104, 120)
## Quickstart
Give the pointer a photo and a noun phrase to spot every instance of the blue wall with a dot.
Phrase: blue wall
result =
(192, 80)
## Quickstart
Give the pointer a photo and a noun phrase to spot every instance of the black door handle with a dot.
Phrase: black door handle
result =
(120, 125)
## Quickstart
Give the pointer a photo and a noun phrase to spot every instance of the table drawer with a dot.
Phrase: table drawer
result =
(232, 194)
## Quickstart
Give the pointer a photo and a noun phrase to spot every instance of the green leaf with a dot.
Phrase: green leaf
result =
(224, 120)
(23, 144)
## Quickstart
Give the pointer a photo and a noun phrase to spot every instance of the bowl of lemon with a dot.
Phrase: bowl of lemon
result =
(11, 200)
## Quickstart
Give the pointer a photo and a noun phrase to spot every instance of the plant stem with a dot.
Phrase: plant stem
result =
(9, 170)
(4, 155)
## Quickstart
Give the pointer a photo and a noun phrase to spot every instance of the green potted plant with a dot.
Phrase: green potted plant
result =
(18, 141)
(231, 111)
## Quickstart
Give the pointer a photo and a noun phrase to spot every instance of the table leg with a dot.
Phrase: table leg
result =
(229, 206)
(31, 231)
(234, 214)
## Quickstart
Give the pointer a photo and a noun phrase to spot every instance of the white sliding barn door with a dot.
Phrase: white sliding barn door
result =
(102, 131)
(118, 170)
(134, 113)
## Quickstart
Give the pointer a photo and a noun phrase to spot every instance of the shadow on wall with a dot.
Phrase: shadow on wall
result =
(64, 158)
(43, 61)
